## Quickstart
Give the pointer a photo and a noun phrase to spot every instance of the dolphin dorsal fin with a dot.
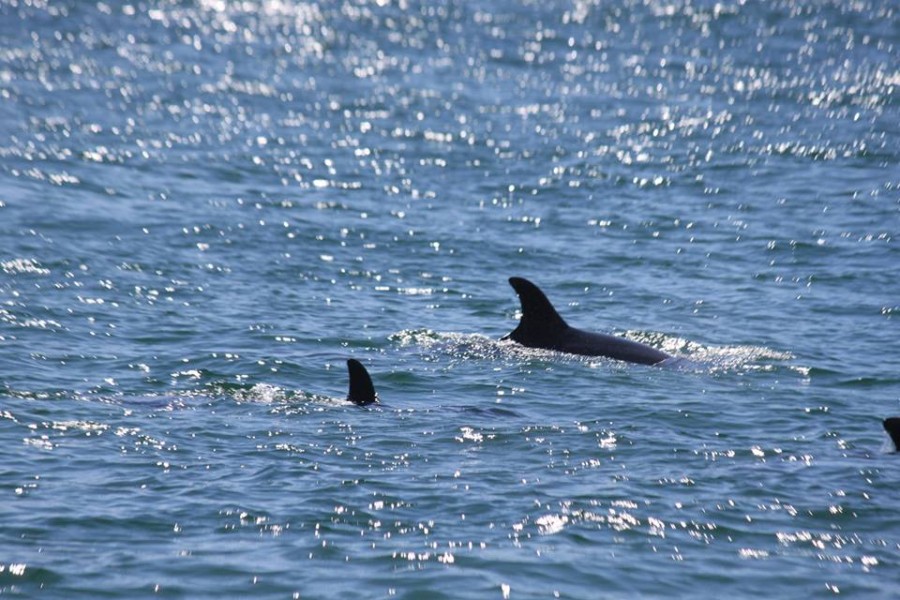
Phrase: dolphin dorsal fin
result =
(539, 319)
(892, 426)
(362, 392)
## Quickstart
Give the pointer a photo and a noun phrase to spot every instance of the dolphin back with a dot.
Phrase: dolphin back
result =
(542, 327)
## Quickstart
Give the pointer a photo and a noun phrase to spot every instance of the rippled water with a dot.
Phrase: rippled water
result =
(206, 207)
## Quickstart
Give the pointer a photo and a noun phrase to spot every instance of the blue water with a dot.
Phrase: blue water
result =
(207, 207)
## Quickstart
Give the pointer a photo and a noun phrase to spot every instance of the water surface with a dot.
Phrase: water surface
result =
(207, 207)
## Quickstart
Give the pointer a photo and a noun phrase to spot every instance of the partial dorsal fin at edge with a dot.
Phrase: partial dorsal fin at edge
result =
(892, 426)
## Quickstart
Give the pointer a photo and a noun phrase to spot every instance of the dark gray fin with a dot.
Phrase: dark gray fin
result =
(362, 392)
(540, 324)
(892, 426)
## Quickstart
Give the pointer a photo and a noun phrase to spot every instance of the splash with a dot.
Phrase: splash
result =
(687, 355)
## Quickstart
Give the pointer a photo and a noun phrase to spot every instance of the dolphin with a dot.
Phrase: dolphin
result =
(542, 327)
(892, 426)
(362, 392)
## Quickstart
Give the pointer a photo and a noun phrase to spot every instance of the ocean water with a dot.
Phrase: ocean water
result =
(207, 206)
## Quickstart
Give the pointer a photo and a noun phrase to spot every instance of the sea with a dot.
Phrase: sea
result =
(208, 206)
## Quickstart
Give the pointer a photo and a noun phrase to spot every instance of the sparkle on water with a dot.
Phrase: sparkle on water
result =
(207, 206)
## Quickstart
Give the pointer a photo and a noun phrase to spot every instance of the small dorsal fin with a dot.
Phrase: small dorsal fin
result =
(362, 392)
(892, 426)
(540, 321)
